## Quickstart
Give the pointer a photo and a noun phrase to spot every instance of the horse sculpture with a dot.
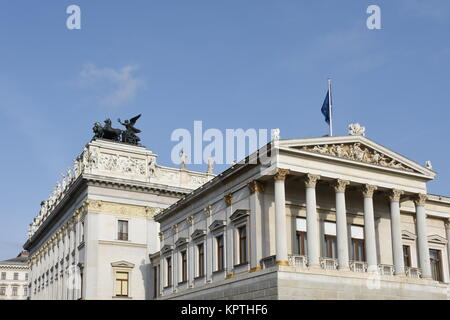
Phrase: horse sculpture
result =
(106, 131)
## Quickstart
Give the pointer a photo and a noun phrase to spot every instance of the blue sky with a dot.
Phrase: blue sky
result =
(231, 64)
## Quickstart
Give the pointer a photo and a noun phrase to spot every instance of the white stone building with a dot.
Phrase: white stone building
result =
(14, 278)
(92, 237)
(321, 218)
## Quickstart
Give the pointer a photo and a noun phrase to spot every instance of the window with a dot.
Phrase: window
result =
(169, 271)
(155, 282)
(302, 243)
(330, 246)
(121, 284)
(2, 291)
(123, 230)
(3, 275)
(26, 276)
(14, 291)
(407, 256)
(183, 266)
(358, 250)
(201, 260)
(436, 264)
(16, 276)
(242, 234)
(25, 291)
(220, 253)
(82, 231)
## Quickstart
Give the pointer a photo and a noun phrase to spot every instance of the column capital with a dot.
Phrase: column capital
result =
(395, 194)
(228, 199)
(368, 190)
(311, 180)
(420, 199)
(281, 174)
(340, 185)
(256, 186)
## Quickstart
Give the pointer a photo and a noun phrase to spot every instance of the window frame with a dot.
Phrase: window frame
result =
(302, 242)
(169, 268)
(220, 253)
(127, 281)
(407, 259)
(119, 233)
(355, 243)
(184, 266)
(329, 240)
(439, 266)
(200, 259)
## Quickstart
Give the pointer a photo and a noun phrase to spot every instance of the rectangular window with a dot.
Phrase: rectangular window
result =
(302, 243)
(155, 282)
(16, 276)
(121, 284)
(407, 256)
(242, 234)
(3, 275)
(14, 291)
(183, 266)
(436, 264)
(201, 260)
(123, 230)
(2, 291)
(169, 271)
(82, 232)
(25, 291)
(26, 276)
(330, 246)
(220, 253)
(358, 250)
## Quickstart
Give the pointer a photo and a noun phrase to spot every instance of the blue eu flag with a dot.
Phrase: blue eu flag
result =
(326, 108)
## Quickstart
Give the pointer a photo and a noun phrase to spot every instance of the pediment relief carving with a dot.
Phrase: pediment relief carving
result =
(198, 234)
(181, 242)
(239, 214)
(357, 152)
(167, 248)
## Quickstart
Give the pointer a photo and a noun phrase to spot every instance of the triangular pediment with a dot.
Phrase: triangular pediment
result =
(122, 264)
(167, 248)
(437, 239)
(217, 224)
(198, 234)
(357, 149)
(408, 235)
(239, 214)
(181, 242)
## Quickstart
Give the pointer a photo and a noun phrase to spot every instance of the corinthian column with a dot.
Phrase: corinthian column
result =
(312, 225)
(280, 218)
(396, 232)
(341, 223)
(422, 236)
(369, 228)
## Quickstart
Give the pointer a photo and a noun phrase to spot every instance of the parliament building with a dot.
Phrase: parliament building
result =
(337, 217)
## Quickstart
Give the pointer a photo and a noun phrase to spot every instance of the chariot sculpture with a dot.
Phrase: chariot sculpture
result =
(108, 132)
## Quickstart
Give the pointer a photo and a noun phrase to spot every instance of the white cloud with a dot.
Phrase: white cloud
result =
(116, 87)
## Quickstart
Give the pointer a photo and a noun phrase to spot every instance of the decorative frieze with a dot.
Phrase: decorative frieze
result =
(357, 152)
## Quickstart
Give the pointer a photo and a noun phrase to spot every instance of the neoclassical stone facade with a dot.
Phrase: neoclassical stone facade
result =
(92, 237)
(321, 218)
(14, 276)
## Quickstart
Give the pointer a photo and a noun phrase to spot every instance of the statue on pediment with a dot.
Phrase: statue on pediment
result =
(106, 131)
(129, 135)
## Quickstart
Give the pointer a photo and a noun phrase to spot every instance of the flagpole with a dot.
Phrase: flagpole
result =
(330, 107)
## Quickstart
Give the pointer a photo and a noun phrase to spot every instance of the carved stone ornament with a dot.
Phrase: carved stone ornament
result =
(311, 180)
(175, 228)
(256, 186)
(229, 199)
(340, 185)
(357, 152)
(420, 199)
(355, 129)
(395, 195)
(208, 211)
(368, 190)
(281, 174)
(190, 220)
(161, 235)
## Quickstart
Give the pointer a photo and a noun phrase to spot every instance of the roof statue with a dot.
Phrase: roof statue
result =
(108, 132)
(355, 129)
